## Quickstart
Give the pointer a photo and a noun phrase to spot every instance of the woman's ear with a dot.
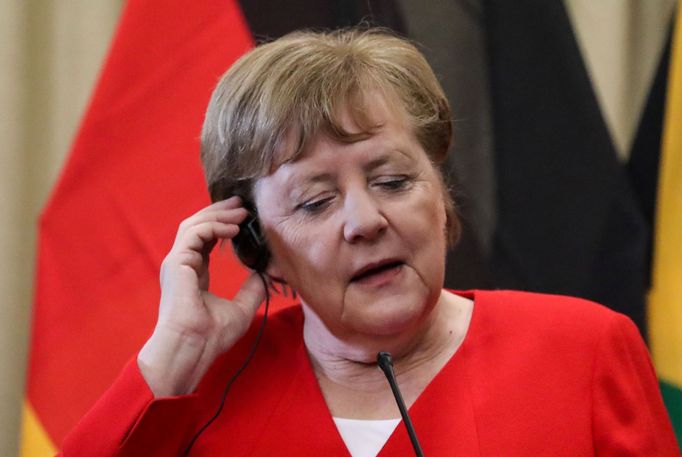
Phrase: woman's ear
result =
(277, 282)
(274, 271)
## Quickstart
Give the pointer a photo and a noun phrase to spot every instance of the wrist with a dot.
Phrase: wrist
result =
(170, 362)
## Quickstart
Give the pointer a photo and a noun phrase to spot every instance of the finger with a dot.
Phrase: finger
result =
(233, 202)
(250, 295)
(228, 216)
(198, 236)
(208, 247)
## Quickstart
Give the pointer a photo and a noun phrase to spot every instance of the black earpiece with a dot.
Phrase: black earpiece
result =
(249, 244)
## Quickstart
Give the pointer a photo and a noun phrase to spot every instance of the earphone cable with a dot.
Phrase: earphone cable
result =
(234, 377)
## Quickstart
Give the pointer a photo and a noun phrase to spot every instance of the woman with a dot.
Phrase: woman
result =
(331, 142)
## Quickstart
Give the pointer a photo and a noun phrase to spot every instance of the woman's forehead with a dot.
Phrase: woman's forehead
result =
(355, 119)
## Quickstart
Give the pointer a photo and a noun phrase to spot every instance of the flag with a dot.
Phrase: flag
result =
(665, 299)
(568, 220)
(132, 175)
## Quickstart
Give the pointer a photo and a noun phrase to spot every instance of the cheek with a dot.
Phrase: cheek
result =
(428, 215)
(425, 231)
(303, 253)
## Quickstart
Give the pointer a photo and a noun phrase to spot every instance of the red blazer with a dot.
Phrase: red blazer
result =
(537, 375)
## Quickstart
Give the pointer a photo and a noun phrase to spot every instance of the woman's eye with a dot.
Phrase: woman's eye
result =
(393, 182)
(315, 206)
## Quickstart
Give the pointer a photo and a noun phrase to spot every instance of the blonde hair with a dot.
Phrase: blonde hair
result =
(297, 85)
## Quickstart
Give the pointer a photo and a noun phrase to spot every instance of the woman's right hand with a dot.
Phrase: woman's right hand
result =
(194, 326)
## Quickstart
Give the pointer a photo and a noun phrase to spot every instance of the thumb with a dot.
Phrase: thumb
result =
(251, 294)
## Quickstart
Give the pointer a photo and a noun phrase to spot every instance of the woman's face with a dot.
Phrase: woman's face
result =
(358, 229)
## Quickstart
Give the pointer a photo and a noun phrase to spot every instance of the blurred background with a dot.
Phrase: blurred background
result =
(50, 54)
(559, 109)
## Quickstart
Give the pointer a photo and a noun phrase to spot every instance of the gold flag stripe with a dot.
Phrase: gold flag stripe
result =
(665, 300)
(34, 440)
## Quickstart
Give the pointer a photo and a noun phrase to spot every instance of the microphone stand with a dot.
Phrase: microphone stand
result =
(385, 362)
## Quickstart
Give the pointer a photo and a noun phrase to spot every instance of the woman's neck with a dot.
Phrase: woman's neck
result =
(351, 382)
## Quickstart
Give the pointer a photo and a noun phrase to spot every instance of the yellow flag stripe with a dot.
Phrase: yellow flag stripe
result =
(34, 440)
(665, 301)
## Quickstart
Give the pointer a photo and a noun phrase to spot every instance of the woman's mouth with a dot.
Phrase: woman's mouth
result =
(376, 275)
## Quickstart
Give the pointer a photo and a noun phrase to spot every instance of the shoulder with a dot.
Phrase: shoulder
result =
(523, 337)
(555, 322)
(538, 308)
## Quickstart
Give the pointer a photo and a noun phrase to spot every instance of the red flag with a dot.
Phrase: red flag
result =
(132, 176)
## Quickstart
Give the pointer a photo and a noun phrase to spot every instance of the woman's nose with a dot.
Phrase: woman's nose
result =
(363, 217)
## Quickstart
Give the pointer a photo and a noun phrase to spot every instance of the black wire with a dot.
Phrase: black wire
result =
(238, 372)
(385, 362)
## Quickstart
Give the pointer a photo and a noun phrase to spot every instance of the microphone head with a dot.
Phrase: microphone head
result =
(385, 361)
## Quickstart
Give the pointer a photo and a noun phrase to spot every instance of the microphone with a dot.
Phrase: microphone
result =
(385, 362)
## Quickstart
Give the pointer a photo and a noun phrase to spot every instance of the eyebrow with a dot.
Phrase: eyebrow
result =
(312, 178)
(326, 176)
(296, 185)
(378, 162)
(400, 157)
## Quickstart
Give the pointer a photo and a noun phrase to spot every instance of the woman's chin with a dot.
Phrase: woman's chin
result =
(389, 317)
(389, 309)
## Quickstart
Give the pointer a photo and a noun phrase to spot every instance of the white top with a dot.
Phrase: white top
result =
(365, 438)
